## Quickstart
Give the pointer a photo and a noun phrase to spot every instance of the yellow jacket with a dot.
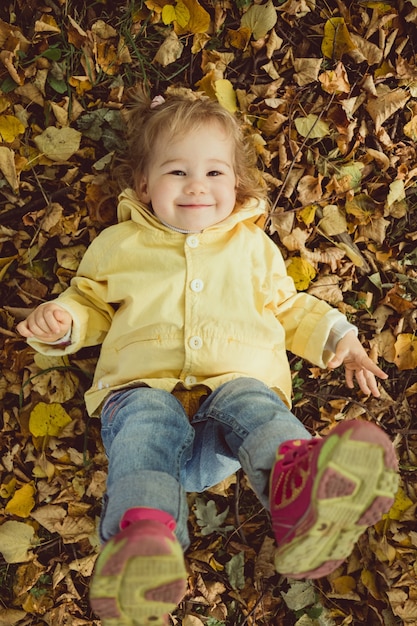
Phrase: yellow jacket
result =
(170, 308)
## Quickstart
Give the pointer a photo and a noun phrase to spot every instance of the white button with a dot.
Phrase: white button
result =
(197, 285)
(192, 241)
(195, 343)
(190, 380)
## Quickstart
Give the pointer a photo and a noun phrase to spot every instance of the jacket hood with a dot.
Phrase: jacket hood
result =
(131, 208)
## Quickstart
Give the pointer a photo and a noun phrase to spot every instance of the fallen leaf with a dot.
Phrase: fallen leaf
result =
(169, 51)
(260, 19)
(48, 419)
(225, 94)
(58, 144)
(337, 40)
(312, 126)
(406, 351)
(10, 128)
(333, 221)
(302, 273)
(8, 167)
(16, 539)
(209, 519)
(22, 502)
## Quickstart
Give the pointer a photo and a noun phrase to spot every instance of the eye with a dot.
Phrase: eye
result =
(177, 173)
(214, 173)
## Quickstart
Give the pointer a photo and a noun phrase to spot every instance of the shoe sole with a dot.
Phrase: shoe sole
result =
(138, 582)
(355, 485)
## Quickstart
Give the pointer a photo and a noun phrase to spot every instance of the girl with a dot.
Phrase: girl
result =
(194, 310)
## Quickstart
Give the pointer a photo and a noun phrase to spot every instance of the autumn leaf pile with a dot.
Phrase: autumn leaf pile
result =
(327, 91)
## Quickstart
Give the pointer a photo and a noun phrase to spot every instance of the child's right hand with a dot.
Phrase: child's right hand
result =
(48, 322)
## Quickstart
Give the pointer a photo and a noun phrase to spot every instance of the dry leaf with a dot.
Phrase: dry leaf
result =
(335, 81)
(169, 51)
(333, 221)
(16, 539)
(406, 351)
(23, 501)
(260, 19)
(302, 273)
(10, 128)
(48, 419)
(386, 104)
(336, 41)
(58, 144)
(225, 94)
(8, 167)
(306, 70)
(312, 126)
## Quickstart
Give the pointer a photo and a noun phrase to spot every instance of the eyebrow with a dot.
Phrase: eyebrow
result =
(214, 161)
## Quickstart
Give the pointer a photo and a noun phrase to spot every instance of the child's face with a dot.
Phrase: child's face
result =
(191, 182)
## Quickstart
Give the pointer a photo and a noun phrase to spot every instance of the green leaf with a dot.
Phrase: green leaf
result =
(208, 519)
(60, 86)
(53, 54)
(235, 570)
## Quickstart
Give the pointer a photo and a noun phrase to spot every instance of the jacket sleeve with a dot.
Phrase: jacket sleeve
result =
(307, 320)
(86, 301)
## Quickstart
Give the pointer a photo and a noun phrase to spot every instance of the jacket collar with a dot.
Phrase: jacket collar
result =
(130, 208)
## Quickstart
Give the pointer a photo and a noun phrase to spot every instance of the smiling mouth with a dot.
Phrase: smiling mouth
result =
(194, 206)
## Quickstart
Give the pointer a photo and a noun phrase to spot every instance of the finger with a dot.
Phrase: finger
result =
(48, 323)
(22, 329)
(374, 369)
(362, 382)
(372, 384)
(349, 378)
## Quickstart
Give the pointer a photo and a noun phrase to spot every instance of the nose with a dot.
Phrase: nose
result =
(196, 185)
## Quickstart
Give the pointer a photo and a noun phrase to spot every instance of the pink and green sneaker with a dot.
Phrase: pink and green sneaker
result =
(139, 576)
(324, 494)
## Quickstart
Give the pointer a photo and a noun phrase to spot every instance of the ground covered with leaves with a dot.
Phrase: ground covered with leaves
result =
(327, 91)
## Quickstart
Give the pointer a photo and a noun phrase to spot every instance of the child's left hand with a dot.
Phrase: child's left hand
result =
(350, 353)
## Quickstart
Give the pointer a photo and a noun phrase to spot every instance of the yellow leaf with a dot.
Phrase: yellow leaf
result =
(225, 94)
(260, 19)
(168, 14)
(401, 504)
(182, 14)
(58, 144)
(307, 214)
(10, 128)
(48, 419)
(199, 20)
(406, 351)
(302, 273)
(22, 502)
(337, 40)
(343, 585)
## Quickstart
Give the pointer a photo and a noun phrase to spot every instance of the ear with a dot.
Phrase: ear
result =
(141, 188)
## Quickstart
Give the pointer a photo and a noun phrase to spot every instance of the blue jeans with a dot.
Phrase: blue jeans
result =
(156, 455)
